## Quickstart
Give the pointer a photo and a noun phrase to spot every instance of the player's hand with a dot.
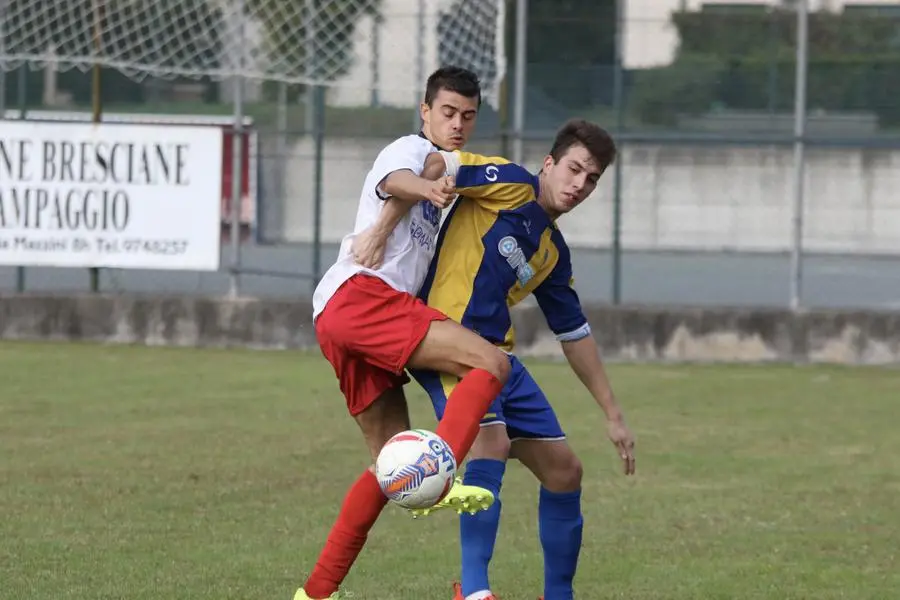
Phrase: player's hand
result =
(368, 247)
(623, 440)
(442, 192)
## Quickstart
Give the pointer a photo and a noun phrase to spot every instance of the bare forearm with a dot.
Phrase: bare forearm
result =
(584, 358)
(392, 212)
(405, 187)
(410, 188)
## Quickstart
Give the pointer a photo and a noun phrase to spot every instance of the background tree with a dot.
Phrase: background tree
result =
(745, 60)
(571, 49)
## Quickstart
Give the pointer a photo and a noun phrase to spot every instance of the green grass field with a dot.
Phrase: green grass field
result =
(155, 473)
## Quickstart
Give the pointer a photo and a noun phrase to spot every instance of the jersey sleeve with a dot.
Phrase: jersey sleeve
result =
(492, 181)
(560, 304)
(406, 153)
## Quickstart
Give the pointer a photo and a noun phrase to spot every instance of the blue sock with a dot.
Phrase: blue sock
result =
(560, 525)
(478, 532)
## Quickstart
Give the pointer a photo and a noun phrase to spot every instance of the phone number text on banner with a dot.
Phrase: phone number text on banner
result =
(122, 196)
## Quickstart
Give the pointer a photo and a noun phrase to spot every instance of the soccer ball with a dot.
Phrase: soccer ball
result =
(415, 469)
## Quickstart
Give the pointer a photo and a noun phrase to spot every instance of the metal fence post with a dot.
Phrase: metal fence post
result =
(375, 63)
(22, 93)
(420, 65)
(309, 57)
(618, 104)
(519, 83)
(96, 102)
(279, 188)
(318, 130)
(799, 152)
(319, 143)
(23, 100)
(2, 59)
(502, 91)
(237, 162)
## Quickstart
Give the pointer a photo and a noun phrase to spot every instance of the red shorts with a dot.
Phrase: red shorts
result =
(367, 332)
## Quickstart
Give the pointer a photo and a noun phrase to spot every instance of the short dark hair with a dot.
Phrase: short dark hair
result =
(453, 79)
(590, 135)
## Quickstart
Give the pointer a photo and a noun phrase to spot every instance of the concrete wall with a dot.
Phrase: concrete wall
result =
(675, 197)
(632, 333)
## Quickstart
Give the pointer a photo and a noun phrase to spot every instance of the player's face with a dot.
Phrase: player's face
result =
(570, 180)
(449, 120)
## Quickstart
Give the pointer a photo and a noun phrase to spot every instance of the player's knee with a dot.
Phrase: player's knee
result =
(565, 476)
(492, 442)
(571, 474)
(496, 362)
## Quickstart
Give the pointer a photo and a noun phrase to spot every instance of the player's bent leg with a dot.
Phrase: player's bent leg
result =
(465, 496)
(560, 521)
(449, 347)
(379, 420)
(483, 368)
(394, 331)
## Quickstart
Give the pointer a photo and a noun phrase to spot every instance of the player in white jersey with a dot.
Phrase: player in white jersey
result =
(411, 244)
(371, 326)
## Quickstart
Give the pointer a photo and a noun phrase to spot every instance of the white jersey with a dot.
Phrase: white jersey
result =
(410, 247)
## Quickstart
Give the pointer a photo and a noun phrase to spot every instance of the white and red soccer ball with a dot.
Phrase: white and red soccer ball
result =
(415, 469)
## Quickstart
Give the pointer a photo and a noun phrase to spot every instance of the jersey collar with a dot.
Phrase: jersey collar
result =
(424, 137)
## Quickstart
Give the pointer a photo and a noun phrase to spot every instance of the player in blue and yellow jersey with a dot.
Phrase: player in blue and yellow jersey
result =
(502, 244)
(498, 244)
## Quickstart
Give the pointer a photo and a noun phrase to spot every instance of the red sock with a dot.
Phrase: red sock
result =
(362, 505)
(465, 408)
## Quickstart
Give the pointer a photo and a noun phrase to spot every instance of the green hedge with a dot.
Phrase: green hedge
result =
(746, 62)
(714, 33)
(694, 85)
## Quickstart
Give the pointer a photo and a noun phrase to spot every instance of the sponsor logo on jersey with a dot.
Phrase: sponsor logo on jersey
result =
(515, 258)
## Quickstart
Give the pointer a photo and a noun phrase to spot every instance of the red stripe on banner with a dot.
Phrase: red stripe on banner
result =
(247, 208)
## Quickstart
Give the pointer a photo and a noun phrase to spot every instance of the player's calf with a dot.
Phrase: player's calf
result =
(560, 522)
(383, 419)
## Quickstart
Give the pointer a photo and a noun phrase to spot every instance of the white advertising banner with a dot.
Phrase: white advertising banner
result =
(110, 195)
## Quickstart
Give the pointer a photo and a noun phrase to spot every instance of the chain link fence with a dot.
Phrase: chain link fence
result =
(730, 188)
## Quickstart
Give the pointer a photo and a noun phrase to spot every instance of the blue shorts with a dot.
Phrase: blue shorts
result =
(521, 406)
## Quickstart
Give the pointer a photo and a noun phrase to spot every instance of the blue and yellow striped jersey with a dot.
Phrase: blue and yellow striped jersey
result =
(497, 246)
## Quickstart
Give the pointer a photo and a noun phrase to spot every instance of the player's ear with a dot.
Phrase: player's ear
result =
(548, 162)
(423, 110)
